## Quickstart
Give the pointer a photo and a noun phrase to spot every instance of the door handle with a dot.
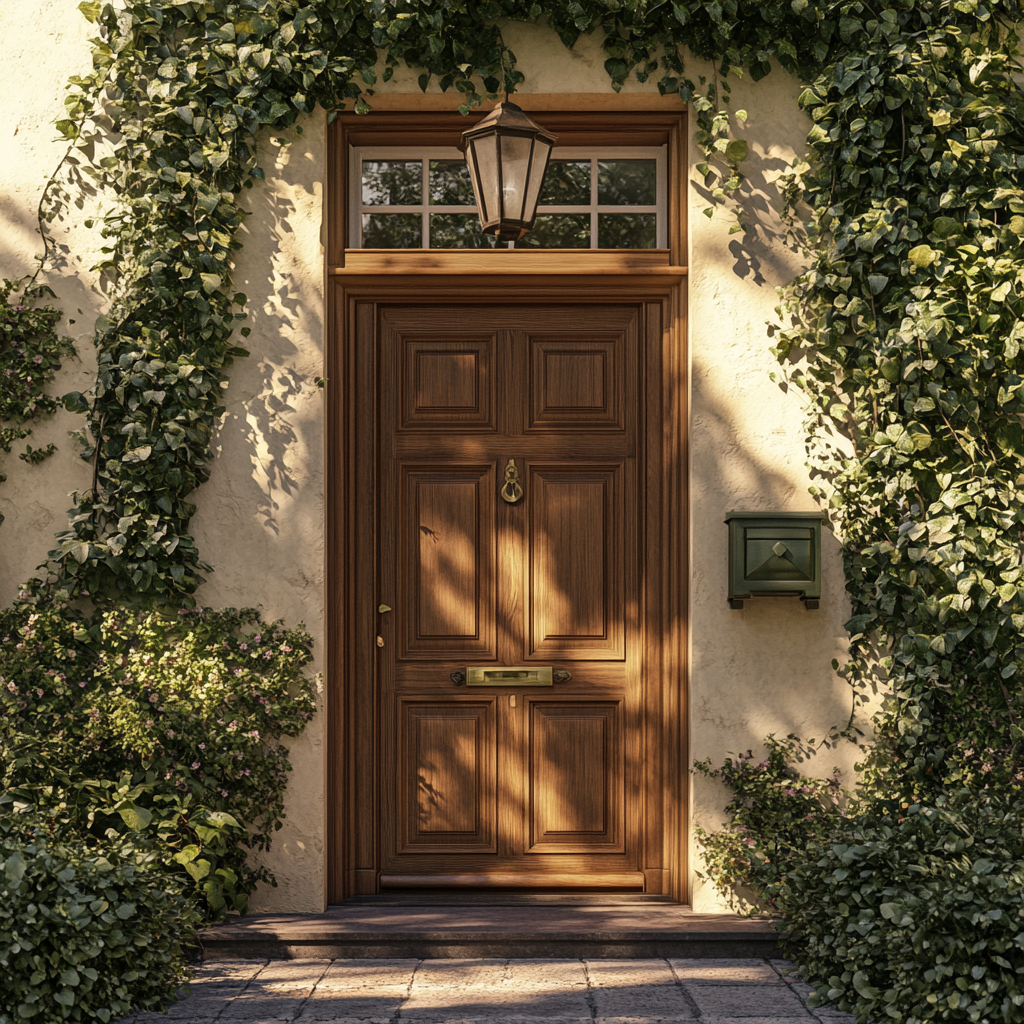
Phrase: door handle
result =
(512, 491)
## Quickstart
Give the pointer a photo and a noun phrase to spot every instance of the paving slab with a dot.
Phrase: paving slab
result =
(488, 990)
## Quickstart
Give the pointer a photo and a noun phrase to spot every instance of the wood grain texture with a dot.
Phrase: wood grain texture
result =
(647, 684)
(576, 777)
(447, 776)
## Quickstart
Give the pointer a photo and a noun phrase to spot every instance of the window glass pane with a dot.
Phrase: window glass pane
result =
(392, 231)
(627, 230)
(558, 231)
(392, 182)
(567, 183)
(450, 184)
(627, 183)
(458, 231)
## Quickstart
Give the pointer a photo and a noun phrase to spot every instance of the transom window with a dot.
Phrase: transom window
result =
(422, 198)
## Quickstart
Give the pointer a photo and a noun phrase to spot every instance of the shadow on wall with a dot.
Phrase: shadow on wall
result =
(266, 385)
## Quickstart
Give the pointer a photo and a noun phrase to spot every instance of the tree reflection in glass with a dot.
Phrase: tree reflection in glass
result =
(627, 230)
(392, 231)
(627, 183)
(458, 231)
(558, 231)
(567, 183)
(392, 182)
(450, 184)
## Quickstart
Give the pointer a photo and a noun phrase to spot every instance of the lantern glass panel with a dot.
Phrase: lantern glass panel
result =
(515, 173)
(486, 178)
(541, 149)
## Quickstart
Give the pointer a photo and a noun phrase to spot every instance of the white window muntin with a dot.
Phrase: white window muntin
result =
(425, 154)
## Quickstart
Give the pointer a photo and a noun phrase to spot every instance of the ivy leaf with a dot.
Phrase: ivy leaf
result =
(135, 817)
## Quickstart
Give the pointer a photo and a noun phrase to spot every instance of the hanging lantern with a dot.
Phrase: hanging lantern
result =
(507, 154)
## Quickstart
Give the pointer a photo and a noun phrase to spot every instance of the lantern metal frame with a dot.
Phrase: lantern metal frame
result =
(507, 121)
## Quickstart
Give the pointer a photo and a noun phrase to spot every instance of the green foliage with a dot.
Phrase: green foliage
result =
(30, 355)
(87, 931)
(133, 723)
(917, 917)
(910, 321)
(774, 814)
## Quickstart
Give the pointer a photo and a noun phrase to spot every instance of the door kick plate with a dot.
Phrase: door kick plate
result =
(516, 676)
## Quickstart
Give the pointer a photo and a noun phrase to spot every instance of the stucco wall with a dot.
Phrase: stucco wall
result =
(260, 521)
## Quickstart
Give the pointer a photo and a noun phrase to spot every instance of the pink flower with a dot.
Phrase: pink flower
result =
(809, 817)
(82, 683)
(763, 766)
(243, 647)
(12, 687)
(750, 842)
(37, 360)
(223, 792)
(39, 693)
(267, 654)
(195, 764)
(153, 698)
(285, 648)
(238, 671)
(202, 746)
(257, 638)
(148, 722)
(789, 791)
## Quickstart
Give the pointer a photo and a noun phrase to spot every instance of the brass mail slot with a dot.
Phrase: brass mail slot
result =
(516, 676)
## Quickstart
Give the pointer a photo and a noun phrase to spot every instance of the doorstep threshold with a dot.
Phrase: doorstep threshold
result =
(567, 927)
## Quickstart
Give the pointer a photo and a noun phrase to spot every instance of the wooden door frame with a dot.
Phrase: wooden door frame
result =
(356, 283)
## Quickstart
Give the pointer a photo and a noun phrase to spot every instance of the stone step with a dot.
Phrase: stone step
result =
(508, 927)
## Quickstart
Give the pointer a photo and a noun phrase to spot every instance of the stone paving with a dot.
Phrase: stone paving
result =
(489, 991)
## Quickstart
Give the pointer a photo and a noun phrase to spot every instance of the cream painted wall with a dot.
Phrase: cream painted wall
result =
(260, 521)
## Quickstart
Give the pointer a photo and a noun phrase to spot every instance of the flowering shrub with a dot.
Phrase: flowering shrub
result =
(135, 723)
(774, 814)
(30, 354)
(87, 930)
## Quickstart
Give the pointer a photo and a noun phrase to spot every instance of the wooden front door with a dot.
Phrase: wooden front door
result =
(513, 785)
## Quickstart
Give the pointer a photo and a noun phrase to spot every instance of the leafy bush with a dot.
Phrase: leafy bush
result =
(86, 932)
(133, 722)
(773, 815)
(917, 916)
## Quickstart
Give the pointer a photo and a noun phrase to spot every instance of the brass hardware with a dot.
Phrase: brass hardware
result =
(519, 675)
(380, 641)
(512, 700)
(383, 608)
(512, 491)
(458, 677)
(561, 676)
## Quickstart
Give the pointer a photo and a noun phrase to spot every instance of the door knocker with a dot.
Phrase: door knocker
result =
(512, 491)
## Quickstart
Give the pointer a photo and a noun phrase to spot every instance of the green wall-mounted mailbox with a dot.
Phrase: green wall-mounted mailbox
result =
(774, 554)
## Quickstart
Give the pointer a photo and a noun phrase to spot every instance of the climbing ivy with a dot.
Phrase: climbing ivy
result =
(30, 354)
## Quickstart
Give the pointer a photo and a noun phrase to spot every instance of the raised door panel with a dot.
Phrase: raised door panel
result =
(574, 584)
(576, 777)
(446, 384)
(575, 383)
(446, 561)
(447, 777)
